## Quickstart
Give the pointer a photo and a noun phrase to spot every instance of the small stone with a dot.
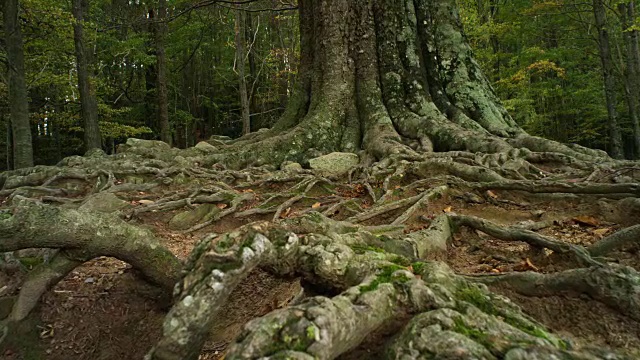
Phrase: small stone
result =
(291, 166)
(334, 164)
(205, 146)
(89, 280)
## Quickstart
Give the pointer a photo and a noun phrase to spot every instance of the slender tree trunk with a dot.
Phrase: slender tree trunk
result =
(609, 80)
(251, 58)
(242, 81)
(18, 97)
(161, 67)
(632, 78)
(88, 100)
(150, 78)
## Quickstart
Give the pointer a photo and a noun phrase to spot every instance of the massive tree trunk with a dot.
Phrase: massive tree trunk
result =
(632, 78)
(88, 100)
(389, 79)
(18, 97)
(379, 76)
(615, 136)
(161, 68)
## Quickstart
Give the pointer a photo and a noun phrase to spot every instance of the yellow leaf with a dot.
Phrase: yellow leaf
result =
(316, 205)
(601, 232)
(586, 220)
(448, 209)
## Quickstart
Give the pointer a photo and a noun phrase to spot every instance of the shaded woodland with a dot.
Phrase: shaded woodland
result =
(326, 179)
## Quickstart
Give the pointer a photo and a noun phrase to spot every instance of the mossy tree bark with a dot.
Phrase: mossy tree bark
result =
(387, 77)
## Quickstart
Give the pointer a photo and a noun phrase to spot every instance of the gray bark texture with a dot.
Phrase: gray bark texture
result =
(18, 97)
(88, 100)
(161, 68)
(240, 39)
(615, 137)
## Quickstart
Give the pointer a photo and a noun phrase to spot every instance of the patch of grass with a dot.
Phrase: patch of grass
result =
(418, 267)
(401, 260)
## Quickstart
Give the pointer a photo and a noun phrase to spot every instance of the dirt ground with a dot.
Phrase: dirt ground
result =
(103, 311)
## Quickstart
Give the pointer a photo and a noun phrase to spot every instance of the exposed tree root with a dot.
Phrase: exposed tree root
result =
(81, 237)
(517, 234)
(626, 237)
(614, 285)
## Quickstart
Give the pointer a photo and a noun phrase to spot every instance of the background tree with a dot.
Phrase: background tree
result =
(86, 86)
(161, 67)
(17, 91)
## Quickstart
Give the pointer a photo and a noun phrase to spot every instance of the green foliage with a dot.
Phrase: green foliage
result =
(543, 60)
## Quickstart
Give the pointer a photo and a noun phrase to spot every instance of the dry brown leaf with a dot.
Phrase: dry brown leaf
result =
(286, 213)
(448, 209)
(146, 202)
(601, 232)
(586, 220)
(495, 271)
(221, 206)
(492, 194)
(316, 205)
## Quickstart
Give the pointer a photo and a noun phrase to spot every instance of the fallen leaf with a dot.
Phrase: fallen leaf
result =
(495, 271)
(586, 220)
(221, 206)
(492, 194)
(146, 202)
(448, 209)
(601, 232)
(286, 213)
(316, 205)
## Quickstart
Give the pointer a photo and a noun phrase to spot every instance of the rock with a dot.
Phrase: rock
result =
(97, 153)
(189, 218)
(291, 166)
(205, 147)
(103, 202)
(221, 138)
(133, 143)
(334, 164)
(150, 149)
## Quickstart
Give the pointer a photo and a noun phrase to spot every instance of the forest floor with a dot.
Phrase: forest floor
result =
(101, 311)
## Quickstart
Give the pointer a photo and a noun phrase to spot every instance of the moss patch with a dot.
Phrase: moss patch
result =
(384, 276)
